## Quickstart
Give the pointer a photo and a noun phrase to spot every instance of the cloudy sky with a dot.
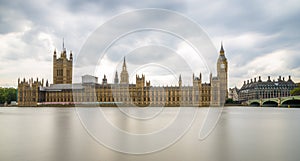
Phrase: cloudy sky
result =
(260, 38)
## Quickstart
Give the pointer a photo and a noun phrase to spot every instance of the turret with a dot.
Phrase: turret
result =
(54, 54)
(148, 83)
(71, 56)
(200, 77)
(104, 80)
(180, 81)
(116, 80)
(140, 81)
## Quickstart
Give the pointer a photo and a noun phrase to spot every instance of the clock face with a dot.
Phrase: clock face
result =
(222, 66)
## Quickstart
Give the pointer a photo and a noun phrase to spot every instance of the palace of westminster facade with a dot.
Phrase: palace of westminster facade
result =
(120, 93)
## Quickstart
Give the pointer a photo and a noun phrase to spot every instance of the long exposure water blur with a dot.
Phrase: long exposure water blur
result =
(242, 134)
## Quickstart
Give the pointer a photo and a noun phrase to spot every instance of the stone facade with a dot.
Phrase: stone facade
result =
(219, 84)
(258, 89)
(121, 93)
(233, 94)
(62, 68)
(29, 92)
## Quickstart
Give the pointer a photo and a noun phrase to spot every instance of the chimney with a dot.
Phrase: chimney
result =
(283, 78)
(247, 81)
(254, 80)
(279, 79)
(269, 79)
(251, 80)
(290, 77)
(104, 80)
(259, 79)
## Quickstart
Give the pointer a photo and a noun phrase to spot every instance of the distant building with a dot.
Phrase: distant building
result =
(89, 91)
(258, 89)
(233, 94)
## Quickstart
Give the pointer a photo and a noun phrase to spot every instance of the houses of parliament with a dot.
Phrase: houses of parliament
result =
(63, 92)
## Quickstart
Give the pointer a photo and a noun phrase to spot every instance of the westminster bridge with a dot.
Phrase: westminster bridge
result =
(290, 101)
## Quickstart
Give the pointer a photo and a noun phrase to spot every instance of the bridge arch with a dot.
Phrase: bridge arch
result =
(270, 103)
(291, 103)
(254, 103)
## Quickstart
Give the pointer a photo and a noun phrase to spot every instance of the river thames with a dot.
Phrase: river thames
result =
(60, 134)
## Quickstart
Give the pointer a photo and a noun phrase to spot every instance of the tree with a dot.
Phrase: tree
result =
(229, 101)
(7, 95)
(295, 91)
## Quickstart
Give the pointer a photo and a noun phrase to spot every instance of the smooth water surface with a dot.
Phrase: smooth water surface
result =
(57, 134)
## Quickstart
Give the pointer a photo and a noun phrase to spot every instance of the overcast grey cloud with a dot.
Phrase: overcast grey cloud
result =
(260, 37)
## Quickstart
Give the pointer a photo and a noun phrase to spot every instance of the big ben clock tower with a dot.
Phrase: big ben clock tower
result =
(222, 70)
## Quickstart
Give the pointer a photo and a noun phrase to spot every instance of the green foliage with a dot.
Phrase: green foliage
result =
(295, 91)
(231, 101)
(7, 95)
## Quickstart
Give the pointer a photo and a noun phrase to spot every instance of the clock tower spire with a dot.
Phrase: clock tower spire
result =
(222, 49)
(124, 74)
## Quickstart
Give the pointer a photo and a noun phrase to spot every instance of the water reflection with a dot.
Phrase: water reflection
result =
(47, 134)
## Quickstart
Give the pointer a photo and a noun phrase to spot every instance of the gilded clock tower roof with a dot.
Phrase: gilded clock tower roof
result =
(222, 53)
(222, 49)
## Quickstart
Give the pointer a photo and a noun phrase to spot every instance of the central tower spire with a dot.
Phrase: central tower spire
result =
(124, 74)
(63, 44)
(124, 64)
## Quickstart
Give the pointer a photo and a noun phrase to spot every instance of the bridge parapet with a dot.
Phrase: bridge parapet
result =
(278, 100)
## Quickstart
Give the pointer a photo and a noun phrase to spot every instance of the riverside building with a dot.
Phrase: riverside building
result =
(63, 92)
